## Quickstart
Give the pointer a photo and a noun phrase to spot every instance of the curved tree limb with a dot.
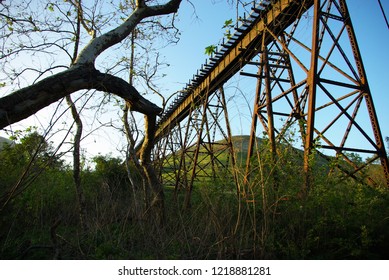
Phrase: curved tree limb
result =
(27, 101)
(107, 40)
(83, 75)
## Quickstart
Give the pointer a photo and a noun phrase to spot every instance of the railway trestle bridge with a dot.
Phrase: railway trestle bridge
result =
(315, 82)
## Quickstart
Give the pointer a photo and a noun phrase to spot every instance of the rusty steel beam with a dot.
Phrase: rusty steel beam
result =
(316, 86)
(312, 82)
(367, 93)
(265, 35)
(280, 15)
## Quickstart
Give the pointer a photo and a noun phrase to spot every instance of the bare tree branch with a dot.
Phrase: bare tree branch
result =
(107, 40)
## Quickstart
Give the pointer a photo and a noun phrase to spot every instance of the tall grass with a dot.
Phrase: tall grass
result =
(338, 219)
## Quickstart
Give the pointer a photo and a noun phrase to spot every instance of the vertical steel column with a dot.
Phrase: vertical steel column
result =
(180, 180)
(366, 91)
(229, 141)
(269, 105)
(312, 81)
(253, 131)
(322, 91)
(187, 203)
(205, 153)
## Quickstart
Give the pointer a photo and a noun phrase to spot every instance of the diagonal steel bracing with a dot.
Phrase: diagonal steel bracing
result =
(199, 158)
(327, 100)
(232, 56)
(316, 85)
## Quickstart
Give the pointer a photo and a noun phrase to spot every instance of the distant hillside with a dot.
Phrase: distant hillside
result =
(241, 143)
(296, 156)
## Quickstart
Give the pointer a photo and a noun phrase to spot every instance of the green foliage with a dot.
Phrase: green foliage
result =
(228, 24)
(108, 166)
(34, 190)
(30, 153)
(210, 50)
(50, 7)
(337, 219)
(111, 171)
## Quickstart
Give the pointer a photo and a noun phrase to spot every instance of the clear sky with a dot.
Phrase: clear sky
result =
(201, 26)
(197, 33)
(369, 24)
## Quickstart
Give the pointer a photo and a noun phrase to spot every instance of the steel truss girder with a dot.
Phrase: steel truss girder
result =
(230, 59)
(202, 138)
(335, 73)
(319, 94)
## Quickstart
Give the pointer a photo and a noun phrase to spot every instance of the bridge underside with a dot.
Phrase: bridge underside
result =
(309, 78)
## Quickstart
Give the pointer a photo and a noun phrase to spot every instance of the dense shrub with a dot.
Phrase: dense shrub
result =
(338, 218)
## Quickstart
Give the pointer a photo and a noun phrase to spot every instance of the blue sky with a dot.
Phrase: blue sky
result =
(197, 33)
(201, 26)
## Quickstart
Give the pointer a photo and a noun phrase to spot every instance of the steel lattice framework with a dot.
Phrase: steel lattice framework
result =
(318, 85)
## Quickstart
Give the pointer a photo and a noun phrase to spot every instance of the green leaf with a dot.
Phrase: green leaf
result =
(210, 50)
(10, 22)
(228, 34)
(50, 7)
(121, 7)
(228, 23)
